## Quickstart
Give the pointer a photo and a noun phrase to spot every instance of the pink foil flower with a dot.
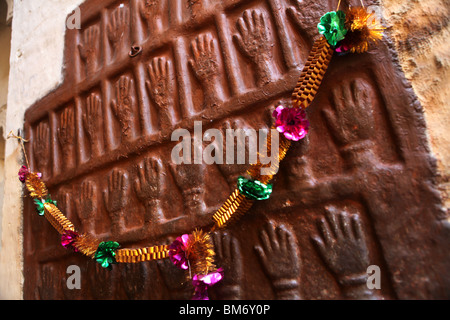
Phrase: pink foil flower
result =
(177, 252)
(291, 122)
(23, 172)
(201, 283)
(68, 238)
(343, 48)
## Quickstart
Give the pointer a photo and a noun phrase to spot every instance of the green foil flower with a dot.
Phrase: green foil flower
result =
(105, 254)
(40, 204)
(254, 189)
(332, 26)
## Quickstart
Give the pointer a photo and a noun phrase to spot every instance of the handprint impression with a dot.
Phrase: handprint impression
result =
(235, 164)
(92, 121)
(160, 88)
(205, 66)
(41, 146)
(151, 11)
(115, 198)
(66, 136)
(86, 205)
(189, 179)
(280, 259)
(228, 256)
(134, 280)
(123, 106)
(89, 49)
(254, 43)
(118, 26)
(148, 187)
(352, 121)
(342, 246)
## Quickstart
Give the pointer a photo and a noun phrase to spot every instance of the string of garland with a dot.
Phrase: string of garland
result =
(341, 32)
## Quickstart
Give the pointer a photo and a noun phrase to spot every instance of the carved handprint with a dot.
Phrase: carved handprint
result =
(92, 120)
(352, 123)
(66, 136)
(115, 197)
(101, 281)
(41, 146)
(204, 63)
(89, 48)
(197, 7)
(352, 119)
(160, 87)
(306, 20)
(134, 280)
(86, 205)
(64, 203)
(151, 11)
(342, 243)
(179, 287)
(254, 42)
(232, 168)
(342, 246)
(123, 105)
(174, 278)
(205, 66)
(148, 187)
(47, 283)
(118, 26)
(299, 170)
(228, 257)
(279, 256)
(66, 129)
(189, 178)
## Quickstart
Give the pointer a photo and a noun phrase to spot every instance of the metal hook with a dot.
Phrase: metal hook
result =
(18, 136)
(21, 141)
(135, 50)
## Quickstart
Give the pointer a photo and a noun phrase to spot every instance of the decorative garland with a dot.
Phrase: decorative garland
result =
(352, 31)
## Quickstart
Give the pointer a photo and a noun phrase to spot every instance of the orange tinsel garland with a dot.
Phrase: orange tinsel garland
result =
(363, 29)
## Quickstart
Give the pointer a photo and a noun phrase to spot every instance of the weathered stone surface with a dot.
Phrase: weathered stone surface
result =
(420, 31)
(360, 191)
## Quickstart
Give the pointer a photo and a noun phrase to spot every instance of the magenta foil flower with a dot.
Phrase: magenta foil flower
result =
(23, 172)
(68, 238)
(177, 252)
(291, 122)
(201, 283)
(343, 48)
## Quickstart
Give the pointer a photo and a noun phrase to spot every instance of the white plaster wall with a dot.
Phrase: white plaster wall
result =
(36, 60)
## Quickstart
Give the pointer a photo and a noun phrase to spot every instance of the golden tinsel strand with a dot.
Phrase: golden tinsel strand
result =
(57, 219)
(272, 168)
(312, 74)
(35, 186)
(86, 244)
(142, 254)
(200, 253)
(363, 28)
(237, 204)
(233, 208)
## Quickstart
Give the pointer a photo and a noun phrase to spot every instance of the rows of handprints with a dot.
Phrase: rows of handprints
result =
(336, 249)
(151, 193)
(109, 35)
(252, 34)
(237, 54)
